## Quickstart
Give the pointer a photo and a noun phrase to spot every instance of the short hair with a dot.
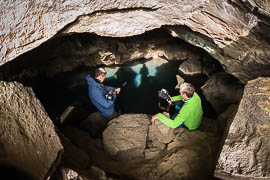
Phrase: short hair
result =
(100, 71)
(187, 89)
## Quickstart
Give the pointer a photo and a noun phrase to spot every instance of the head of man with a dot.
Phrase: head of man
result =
(100, 74)
(186, 90)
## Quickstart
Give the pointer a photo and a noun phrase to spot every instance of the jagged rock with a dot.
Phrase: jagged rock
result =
(191, 67)
(125, 136)
(221, 90)
(28, 138)
(195, 150)
(158, 135)
(246, 149)
(228, 30)
(188, 155)
(180, 81)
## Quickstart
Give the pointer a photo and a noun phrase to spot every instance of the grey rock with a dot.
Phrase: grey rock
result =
(28, 138)
(191, 67)
(245, 152)
(221, 90)
(125, 136)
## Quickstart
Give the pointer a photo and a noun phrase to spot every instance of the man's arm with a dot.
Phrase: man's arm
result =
(179, 119)
(108, 88)
(101, 100)
(177, 98)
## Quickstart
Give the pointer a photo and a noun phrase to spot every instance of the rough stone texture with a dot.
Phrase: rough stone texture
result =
(64, 54)
(246, 149)
(183, 155)
(28, 139)
(191, 67)
(27, 24)
(260, 6)
(222, 89)
(125, 136)
(180, 81)
(231, 31)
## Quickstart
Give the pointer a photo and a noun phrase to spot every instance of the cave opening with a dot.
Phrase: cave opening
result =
(56, 71)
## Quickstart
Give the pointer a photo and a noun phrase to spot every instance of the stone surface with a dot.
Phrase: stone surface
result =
(73, 157)
(180, 81)
(191, 67)
(28, 139)
(47, 18)
(221, 90)
(125, 136)
(223, 29)
(246, 149)
(182, 154)
(185, 154)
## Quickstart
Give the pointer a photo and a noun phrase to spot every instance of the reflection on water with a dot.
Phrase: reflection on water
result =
(143, 81)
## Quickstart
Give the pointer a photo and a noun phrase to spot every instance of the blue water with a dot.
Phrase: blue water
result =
(143, 82)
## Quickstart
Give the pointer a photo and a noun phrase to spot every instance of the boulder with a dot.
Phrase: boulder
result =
(94, 124)
(221, 90)
(245, 152)
(125, 136)
(191, 67)
(28, 139)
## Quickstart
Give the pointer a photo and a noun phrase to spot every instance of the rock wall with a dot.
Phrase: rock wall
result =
(231, 31)
(28, 141)
(246, 150)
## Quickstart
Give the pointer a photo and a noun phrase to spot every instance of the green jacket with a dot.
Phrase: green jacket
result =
(191, 113)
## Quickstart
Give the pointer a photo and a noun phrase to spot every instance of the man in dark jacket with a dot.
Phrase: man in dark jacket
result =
(97, 92)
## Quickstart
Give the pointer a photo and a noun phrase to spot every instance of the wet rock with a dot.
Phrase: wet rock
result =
(125, 136)
(28, 138)
(221, 90)
(246, 149)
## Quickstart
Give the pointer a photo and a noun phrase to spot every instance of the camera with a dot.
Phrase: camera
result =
(109, 95)
(164, 94)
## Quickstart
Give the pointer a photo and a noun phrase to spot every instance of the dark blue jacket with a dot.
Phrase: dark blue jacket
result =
(97, 93)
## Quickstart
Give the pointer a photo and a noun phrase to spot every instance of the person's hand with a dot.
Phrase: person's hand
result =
(117, 90)
(170, 100)
(154, 118)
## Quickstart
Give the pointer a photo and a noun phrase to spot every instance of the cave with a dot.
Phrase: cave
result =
(56, 72)
(58, 87)
(48, 123)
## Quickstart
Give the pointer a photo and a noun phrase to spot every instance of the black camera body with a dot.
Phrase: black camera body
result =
(109, 95)
(164, 94)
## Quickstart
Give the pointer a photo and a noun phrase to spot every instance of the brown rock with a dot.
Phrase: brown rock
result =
(246, 149)
(28, 138)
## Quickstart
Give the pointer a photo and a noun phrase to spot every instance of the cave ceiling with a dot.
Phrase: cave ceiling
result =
(233, 32)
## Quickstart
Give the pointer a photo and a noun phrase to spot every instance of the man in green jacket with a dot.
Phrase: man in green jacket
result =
(190, 114)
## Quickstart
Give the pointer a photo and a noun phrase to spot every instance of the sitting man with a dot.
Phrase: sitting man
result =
(97, 92)
(191, 112)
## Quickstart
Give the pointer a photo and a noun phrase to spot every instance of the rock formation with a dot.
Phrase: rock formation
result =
(246, 150)
(50, 37)
(28, 138)
(231, 31)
